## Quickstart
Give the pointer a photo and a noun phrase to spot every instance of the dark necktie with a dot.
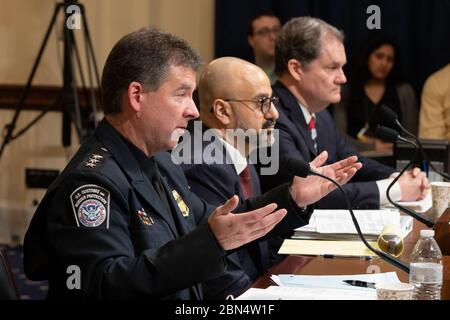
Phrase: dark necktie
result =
(246, 183)
(156, 182)
(313, 131)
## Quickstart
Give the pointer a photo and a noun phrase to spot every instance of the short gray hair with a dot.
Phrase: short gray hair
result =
(301, 39)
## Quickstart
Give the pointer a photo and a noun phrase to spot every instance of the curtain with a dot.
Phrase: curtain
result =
(421, 28)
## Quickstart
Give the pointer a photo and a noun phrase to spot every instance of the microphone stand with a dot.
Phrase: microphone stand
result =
(395, 262)
(422, 151)
(392, 135)
(414, 214)
(392, 116)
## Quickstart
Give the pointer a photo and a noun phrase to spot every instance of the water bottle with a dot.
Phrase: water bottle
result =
(426, 268)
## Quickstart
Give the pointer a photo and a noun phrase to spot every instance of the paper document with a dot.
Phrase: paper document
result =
(293, 293)
(276, 279)
(325, 247)
(335, 282)
(421, 206)
(305, 287)
(338, 224)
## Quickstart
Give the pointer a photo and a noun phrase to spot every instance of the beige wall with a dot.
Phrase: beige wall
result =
(23, 24)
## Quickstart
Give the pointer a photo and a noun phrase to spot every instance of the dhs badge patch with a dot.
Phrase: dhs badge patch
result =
(90, 205)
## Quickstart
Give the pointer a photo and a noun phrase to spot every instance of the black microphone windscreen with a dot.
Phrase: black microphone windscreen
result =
(295, 166)
(387, 114)
(386, 134)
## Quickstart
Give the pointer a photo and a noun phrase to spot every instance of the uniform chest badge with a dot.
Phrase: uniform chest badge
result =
(145, 218)
(181, 204)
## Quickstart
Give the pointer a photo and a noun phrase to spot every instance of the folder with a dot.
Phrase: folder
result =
(327, 248)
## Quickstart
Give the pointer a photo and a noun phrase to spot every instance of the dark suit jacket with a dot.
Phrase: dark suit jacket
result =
(138, 248)
(295, 140)
(216, 183)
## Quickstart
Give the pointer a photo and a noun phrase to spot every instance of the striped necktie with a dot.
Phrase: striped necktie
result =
(246, 183)
(312, 129)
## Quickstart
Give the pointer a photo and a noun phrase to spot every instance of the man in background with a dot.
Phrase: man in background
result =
(262, 32)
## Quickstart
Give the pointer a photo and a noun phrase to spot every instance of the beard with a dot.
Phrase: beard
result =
(254, 138)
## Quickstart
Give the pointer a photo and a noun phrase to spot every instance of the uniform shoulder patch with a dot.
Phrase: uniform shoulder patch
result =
(90, 205)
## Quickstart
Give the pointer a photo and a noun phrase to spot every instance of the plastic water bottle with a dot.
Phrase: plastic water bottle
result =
(426, 268)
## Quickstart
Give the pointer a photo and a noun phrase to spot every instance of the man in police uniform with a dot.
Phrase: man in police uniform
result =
(120, 221)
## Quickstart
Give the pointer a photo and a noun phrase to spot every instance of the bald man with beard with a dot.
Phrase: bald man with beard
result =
(234, 94)
(230, 91)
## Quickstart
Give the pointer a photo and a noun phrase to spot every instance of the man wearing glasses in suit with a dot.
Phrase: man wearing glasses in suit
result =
(238, 112)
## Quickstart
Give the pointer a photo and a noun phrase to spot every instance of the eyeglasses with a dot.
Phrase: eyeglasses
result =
(264, 32)
(264, 103)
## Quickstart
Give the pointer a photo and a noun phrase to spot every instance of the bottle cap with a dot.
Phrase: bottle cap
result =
(427, 233)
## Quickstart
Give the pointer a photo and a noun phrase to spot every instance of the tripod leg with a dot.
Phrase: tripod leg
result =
(71, 110)
(77, 57)
(39, 117)
(10, 127)
(88, 114)
(89, 42)
(88, 49)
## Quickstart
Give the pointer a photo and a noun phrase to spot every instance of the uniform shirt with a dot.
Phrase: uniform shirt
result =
(150, 169)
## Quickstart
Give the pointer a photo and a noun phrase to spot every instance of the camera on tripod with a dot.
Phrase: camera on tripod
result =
(84, 120)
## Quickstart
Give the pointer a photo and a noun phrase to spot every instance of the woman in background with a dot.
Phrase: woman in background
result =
(376, 80)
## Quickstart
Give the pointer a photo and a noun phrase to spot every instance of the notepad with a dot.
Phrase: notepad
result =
(325, 247)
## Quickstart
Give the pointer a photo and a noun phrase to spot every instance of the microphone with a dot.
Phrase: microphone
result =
(392, 118)
(302, 169)
(391, 135)
(296, 166)
(388, 115)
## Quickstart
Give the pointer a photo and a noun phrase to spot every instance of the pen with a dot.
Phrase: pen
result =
(359, 283)
(332, 256)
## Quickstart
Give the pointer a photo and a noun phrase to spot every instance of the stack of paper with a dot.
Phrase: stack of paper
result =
(289, 293)
(302, 287)
(421, 206)
(333, 281)
(338, 224)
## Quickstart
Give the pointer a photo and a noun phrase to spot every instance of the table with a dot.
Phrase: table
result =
(306, 265)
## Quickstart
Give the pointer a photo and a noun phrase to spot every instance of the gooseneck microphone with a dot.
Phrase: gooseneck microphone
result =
(391, 117)
(391, 135)
(302, 169)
